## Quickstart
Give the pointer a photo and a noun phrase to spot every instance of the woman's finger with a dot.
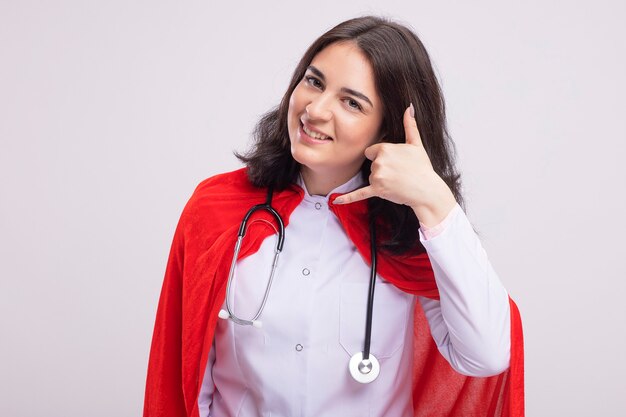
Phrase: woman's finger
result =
(356, 195)
(411, 132)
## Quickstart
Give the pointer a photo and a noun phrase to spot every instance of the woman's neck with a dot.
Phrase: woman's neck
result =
(321, 184)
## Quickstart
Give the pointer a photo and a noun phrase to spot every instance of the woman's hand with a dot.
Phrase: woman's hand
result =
(402, 173)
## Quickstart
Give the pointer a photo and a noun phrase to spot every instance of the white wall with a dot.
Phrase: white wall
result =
(111, 112)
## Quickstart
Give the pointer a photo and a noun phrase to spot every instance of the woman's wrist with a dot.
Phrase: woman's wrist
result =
(435, 211)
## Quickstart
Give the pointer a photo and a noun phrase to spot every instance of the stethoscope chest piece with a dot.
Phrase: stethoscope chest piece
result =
(364, 370)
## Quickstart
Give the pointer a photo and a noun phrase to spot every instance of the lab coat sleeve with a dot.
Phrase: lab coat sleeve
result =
(470, 323)
(208, 386)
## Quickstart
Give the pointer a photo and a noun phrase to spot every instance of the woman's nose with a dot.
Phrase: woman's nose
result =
(319, 108)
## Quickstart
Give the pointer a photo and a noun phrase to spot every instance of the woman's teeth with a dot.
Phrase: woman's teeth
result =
(315, 134)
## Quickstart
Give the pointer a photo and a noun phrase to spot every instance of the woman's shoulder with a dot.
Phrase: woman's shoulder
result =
(219, 194)
(224, 185)
(218, 182)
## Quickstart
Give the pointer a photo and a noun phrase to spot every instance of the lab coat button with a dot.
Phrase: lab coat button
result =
(305, 272)
(298, 347)
(318, 205)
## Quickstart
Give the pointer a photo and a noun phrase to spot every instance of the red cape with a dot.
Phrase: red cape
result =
(195, 286)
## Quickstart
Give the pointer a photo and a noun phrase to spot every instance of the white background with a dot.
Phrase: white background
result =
(111, 112)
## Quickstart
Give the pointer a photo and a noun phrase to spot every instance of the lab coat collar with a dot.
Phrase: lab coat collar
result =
(352, 184)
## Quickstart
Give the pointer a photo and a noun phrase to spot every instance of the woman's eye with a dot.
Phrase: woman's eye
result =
(354, 104)
(313, 81)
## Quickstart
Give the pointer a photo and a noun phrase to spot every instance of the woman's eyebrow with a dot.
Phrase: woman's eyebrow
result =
(355, 93)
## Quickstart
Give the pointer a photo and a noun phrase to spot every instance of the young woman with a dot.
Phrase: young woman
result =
(417, 324)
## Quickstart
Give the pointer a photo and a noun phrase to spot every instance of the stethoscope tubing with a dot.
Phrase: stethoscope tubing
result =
(364, 369)
(265, 206)
(279, 247)
(370, 295)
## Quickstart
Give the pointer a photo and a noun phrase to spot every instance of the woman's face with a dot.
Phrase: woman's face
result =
(337, 100)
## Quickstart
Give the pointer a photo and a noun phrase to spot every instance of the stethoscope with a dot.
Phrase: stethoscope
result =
(363, 366)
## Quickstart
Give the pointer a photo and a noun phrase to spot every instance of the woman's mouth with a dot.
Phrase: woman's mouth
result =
(318, 137)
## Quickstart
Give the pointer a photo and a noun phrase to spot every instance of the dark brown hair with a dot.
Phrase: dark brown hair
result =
(403, 74)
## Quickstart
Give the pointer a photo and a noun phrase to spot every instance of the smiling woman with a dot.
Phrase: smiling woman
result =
(357, 170)
(334, 115)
